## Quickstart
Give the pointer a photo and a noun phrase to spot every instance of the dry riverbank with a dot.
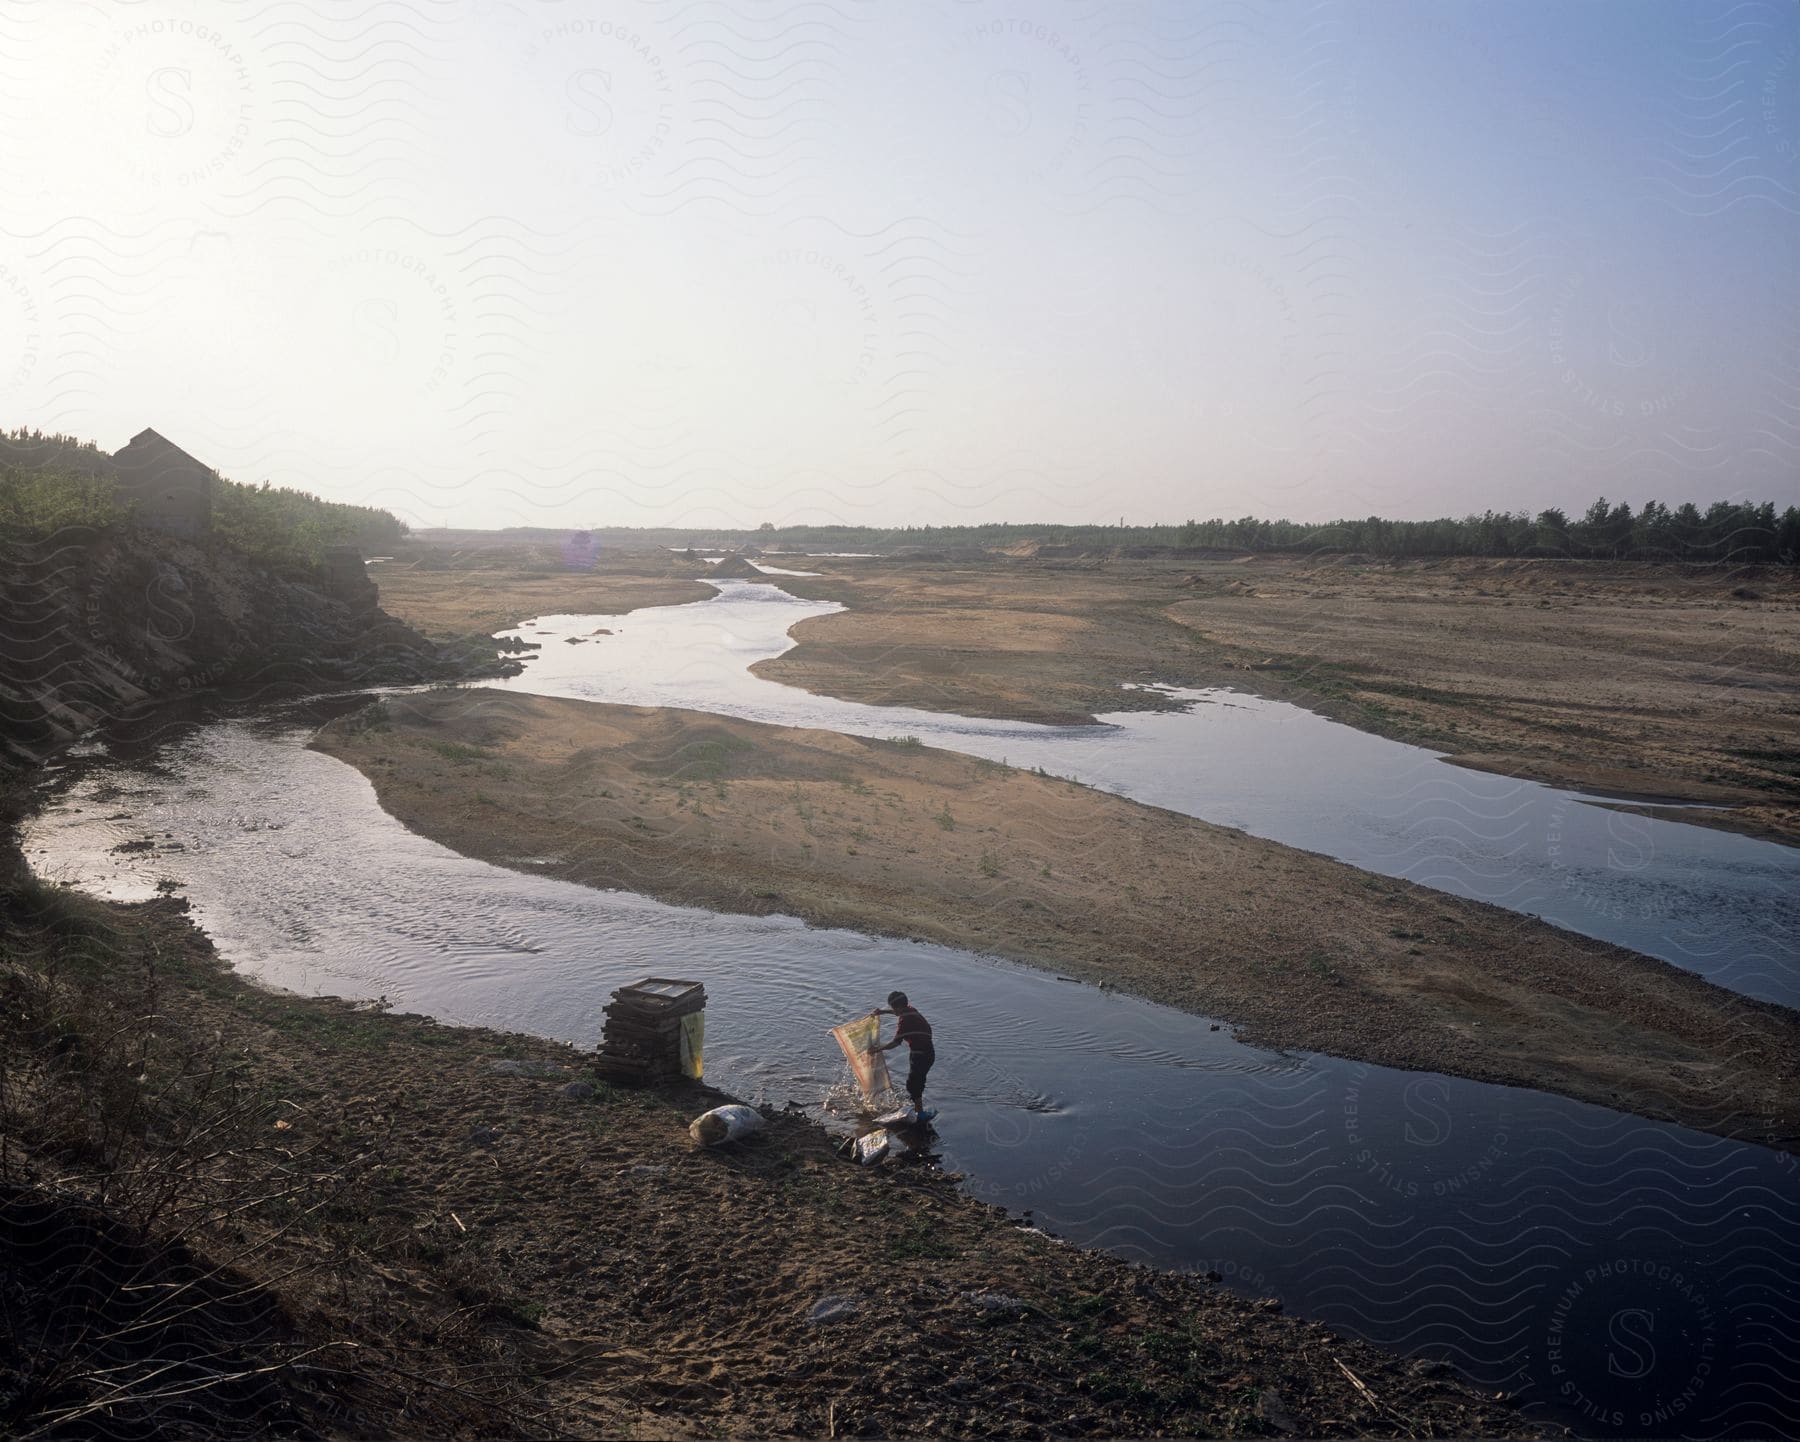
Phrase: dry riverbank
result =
(300, 1217)
(904, 840)
(1655, 681)
(1660, 681)
(447, 593)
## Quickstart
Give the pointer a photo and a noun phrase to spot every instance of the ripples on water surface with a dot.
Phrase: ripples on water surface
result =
(1630, 1277)
(1441, 1216)
(1724, 905)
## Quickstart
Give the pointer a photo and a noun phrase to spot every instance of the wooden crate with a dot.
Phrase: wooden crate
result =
(660, 996)
(640, 1038)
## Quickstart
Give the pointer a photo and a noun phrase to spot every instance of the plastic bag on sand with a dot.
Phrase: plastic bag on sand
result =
(872, 1147)
(725, 1124)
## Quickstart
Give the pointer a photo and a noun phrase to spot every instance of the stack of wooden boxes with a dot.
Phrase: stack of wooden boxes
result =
(641, 1039)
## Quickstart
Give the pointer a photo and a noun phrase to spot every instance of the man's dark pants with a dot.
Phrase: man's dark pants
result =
(915, 1076)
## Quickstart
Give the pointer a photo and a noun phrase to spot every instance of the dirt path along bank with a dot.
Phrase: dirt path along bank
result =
(905, 840)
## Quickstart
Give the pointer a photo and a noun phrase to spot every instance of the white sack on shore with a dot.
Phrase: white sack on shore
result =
(725, 1124)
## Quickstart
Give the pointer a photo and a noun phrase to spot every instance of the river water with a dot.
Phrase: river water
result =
(1629, 1277)
(1724, 905)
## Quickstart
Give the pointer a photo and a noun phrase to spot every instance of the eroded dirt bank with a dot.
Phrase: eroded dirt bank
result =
(388, 1231)
(95, 623)
(1295, 949)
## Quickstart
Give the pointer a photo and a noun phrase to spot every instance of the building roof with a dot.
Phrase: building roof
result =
(149, 448)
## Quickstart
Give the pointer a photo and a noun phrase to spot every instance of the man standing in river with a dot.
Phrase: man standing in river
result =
(915, 1031)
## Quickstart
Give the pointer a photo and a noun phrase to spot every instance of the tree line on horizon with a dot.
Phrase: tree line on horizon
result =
(1732, 532)
(52, 481)
(48, 481)
(1726, 531)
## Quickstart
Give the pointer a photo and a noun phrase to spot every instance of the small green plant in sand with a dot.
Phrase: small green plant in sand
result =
(919, 1238)
(708, 760)
(1319, 966)
(459, 752)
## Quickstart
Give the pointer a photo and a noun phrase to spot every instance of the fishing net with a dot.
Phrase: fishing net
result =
(867, 1066)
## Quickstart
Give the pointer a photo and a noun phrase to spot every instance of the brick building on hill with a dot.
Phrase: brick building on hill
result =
(165, 486)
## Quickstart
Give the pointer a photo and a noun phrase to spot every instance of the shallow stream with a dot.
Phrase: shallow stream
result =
(1629, 1277)
(1724, 905)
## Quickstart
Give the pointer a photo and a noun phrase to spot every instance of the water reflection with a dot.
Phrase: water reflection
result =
(1723, 905)
(1523, 1237)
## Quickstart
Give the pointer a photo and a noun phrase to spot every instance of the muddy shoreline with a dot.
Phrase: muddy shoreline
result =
(512, 1260)
(913, 842)
(503, 1247)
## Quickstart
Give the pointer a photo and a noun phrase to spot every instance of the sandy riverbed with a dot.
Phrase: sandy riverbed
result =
(487, 590)
(1295, 949)
(1658, 681)
(1655, 681)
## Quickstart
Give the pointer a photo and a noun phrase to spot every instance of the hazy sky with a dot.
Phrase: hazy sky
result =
(559, 263)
